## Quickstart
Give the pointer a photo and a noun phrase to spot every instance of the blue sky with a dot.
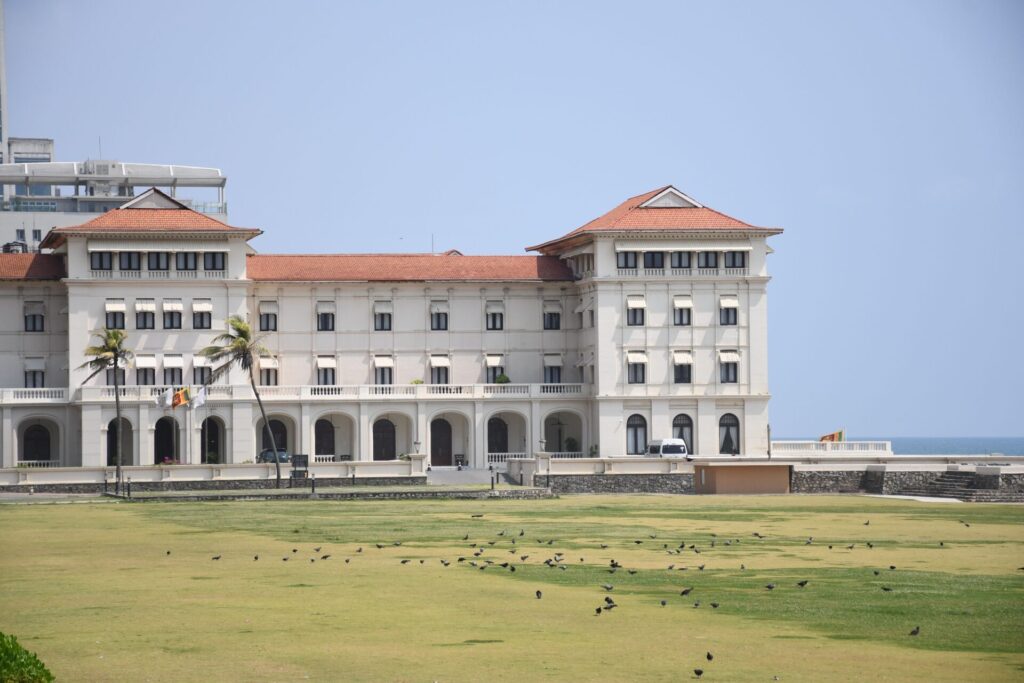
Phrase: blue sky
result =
(887, 138)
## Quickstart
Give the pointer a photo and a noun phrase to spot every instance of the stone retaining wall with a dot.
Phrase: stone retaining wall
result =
(617, 483)
(427, 493)
(817, 481)
(216, 485)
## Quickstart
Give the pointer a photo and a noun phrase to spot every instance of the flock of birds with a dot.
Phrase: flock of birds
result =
(558, 561)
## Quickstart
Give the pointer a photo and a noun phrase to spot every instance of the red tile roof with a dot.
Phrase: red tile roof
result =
(31, 267)
(403, 267)
(152, 219)
(630, 216)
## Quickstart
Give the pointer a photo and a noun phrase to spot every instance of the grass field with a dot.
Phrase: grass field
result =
(90, 588)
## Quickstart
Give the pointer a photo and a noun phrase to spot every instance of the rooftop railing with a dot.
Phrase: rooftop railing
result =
(659, 273)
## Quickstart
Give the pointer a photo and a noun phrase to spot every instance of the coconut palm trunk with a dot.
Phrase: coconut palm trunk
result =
(117, 430)
(110, 353)
(266, 426)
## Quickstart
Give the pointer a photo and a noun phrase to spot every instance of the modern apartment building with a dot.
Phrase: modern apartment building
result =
(648, 322)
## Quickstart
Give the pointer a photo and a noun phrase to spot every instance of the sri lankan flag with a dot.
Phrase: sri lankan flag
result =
(835, 436)
(181, 397)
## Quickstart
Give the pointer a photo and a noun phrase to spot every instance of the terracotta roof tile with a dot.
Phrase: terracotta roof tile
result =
(403, 267)
(629, 215)
(151, 219)
(31, 267)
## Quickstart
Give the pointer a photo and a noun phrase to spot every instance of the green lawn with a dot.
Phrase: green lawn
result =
(91, 589)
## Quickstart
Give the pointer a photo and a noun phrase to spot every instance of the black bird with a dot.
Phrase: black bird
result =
(686, 591)
(830, 547)
(405, 561)
(445, 562)
(421, 561)
(325, 557)
(397, 543)
(539, 594)
(255, 557)
(743, 567)
(770, 586)
(886, 589)
(696, 604)
(379, 545)
(638, 542)
(603, 545)
(892, 566)
(512, 568)
(710, 656)
(521, 532)
(802, 583)
(312, 559)
(631, 571)
(663, 603)
(317, 549)
(608, 600)
(714, 605)
(700, 567)
(608, 586)
(476, 516)
(215, 557)
(653, 535)
(284, 559)
(295, 550)
(168, 552)
(346, 560)
(698, 672)
(917, 630)
(757, 535)
(941, 544)
(877, 572)
(867, 522)
(466, 537)
(359, 549)
(597, 612)
(850, 547)
(501, 533)
(870, 544)
(523, 557)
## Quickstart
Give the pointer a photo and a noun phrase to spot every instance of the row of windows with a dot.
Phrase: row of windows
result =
(682, 428)
(681, 317)
(146, 320)
(19, 235)
(171, 376)
(157, 260)
(682, 373)
(382, 321)
(680, 259)
(385, 376)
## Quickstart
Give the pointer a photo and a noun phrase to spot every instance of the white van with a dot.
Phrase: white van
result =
(668, 448)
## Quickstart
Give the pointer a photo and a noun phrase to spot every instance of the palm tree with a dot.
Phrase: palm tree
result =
(109, 353)
(239, 346)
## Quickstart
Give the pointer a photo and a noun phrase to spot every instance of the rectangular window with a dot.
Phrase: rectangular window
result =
(438, 321)
(202, 375)
(129, 260)
(552, 321)
(495, 321)
(681, 316)
(185, 260)
(727, 316)
(680, 259)
(101, 260)
(214, 260)
(202, 320)
(735, 259)
(682, 373)
(637, 373)
(439, 375)
(115, 320)
(635, 317)
(145, 376)
(37, 235)
(268, 377)
(591, 312)
(120, 377)
(159, 260)
(382, 376)
(707, 259)
(325, 322)
(34, 379)
(729, 372)
(268, 322)
(553, 374)
(172, 376)
(19, 234)
(145, 320)
(172, 320)
(381, 322)
(654, 259)
(493, 373)
(626, 259)
(34, 322)
(325, 377)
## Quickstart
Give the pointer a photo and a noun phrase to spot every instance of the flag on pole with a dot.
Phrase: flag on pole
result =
(165, 398)
(835, 436)
(200, 400)
(181, 397)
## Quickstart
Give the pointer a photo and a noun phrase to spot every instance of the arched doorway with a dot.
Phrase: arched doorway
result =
(441, 443)
(323, 438)
(127, 442)
(506, 437)
(334, 437)
(729, 435)
(212, 439)
(384, 440)
(166, 442)
(36, 443)
(636, 435)
(682, 428)
(280, 433)
(563, 434)
(283, 429)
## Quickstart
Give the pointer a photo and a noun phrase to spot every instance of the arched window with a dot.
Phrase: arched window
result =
(497, 435)
(280, 436)
(211, 440)
(37, 443)
(729, 435)
(682, 428)
(636, 435)
(384, 440)
(324, 437)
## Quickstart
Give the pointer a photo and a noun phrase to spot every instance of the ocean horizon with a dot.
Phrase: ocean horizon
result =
(942, 445)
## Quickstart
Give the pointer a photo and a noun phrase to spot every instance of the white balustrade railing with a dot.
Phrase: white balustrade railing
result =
(495, 458)
(822, 447)
(40, 395)
(680, 272)
(506, 389)
(566, 454)
(35, 464)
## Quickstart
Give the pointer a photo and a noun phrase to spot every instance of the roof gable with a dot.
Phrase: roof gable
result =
(154, 199)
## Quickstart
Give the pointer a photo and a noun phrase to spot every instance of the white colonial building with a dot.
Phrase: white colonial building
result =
(648, 322)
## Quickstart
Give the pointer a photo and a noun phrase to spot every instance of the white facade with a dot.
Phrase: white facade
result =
(588, 340)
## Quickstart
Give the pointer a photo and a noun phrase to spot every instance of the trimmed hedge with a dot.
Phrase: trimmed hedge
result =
(18, 665)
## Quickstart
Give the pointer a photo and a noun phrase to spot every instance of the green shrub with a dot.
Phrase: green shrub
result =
(502, 379)
(18, 665)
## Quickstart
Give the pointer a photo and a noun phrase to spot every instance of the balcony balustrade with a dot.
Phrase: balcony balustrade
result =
(662, 273)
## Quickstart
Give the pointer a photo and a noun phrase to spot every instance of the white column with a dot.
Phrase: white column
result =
(93, 437)
(365, 430)
(8, 438)
(707, 427)
(478, 442)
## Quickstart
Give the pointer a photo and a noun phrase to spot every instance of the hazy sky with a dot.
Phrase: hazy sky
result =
(887, 138)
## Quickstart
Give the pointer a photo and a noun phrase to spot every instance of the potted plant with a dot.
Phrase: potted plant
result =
(572, 445)
(416, 381)
(502, 379)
